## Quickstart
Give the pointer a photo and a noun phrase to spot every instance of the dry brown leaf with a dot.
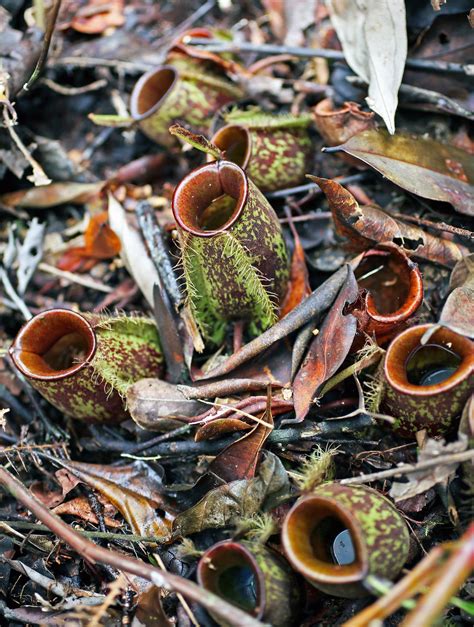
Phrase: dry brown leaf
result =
(374, 39)
(369, 225)
(425, 479)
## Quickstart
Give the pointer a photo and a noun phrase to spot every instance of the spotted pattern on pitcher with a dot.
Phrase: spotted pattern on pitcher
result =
(280, 157)
(128, 349)
(383, 530)
(239, 274)
(194, 99)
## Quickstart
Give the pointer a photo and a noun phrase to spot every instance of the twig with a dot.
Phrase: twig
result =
(450, 578)
(105, 535)
(439, 226)
(327, 429)
(407, 469)
(226, 387)
(38, 177)
(312, 187)
(153, 236)
(10, 291)
(214, 45)
(44, 51)
(93, 553)
(75, 278)
(73, 91)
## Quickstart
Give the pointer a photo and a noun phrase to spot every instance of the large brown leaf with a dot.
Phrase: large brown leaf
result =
(239, 460)
(46, 196)
(458, 310)
(132, 489)
(373, 35)
(225, 504)
(420, 165)
(369, 225)
(328, 349)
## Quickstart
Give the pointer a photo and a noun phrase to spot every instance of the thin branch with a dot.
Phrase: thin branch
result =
(93, 553)
(407, 469)
(44, 51)
(215, 45)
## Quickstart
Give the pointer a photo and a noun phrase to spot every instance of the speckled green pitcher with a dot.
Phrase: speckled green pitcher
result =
(254, 578)
(83, 364)
(274, 150)
(233, 253)
(374, 538)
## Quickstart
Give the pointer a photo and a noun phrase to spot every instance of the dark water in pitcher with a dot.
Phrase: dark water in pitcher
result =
(238, 585)
(431, 364)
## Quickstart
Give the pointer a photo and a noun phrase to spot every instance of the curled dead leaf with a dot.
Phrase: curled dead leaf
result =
(369, 224)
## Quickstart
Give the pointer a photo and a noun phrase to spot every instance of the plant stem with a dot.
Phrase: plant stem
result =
(406, 469)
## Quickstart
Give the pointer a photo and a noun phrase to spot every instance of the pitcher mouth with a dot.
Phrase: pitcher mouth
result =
(53, 345)
(402, 348)
(210, 199)
(151, 90)
(222, 558)
(235, 141)
(305, 539)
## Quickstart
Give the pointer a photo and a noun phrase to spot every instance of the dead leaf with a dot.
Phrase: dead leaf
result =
(132, 489)
(153, 402)
(239, 460)
(458, 310)
(220, 506)
(101, 242)
(218, 428)
(373, 35)
(133, 252)
(97, 16)
(46, 196)
(80, 508)
(327, 350)
(420, 165)
(369, 225)
(299, 286)
(425, 479)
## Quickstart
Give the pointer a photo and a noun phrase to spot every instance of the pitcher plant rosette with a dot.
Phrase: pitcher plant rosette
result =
(253, 577)
(337, 535)
(428, 382)
(83, 364)
(234, 256)
(273, 149)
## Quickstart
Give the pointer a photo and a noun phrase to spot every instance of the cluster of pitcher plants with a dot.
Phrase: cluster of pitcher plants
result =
(238, 273)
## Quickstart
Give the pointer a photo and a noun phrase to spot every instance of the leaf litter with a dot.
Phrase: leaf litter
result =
(218, 441)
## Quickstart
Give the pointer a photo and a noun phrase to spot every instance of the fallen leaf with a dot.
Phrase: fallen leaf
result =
(46, 196)
(133, 252)
(368, 225)
(458, 310)
(153, 402)
(222, 505)
(373, 35)
(425, 479)
(100, 243)
(239, 460)
(299, 286)
(327, 350)
(80, 508)
(97, 16)
(218, 428)
(132, 489)
(420, 165)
